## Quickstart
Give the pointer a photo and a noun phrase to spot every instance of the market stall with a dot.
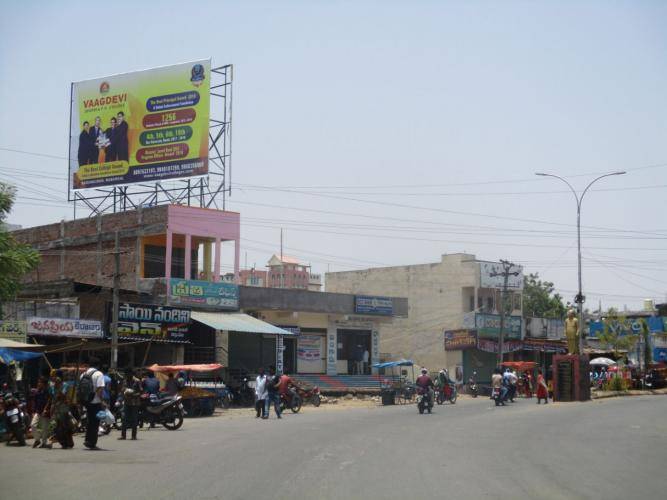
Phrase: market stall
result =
(198, 398)
(393, 387)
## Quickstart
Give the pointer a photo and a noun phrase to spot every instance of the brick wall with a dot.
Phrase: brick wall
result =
(81, 250)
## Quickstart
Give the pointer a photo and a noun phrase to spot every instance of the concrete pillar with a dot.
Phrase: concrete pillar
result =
(188, 256)
(279, 354)
(332, 349)
(476, 292)
(167, 256)
(237, 256)
(179, 355)
(207, 260)
(216, 267)
(375, 350)
(222, 347)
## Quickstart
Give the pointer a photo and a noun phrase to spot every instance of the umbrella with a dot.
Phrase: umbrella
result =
(602, 362)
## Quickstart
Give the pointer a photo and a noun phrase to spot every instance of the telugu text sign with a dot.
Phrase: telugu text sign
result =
(13, 330)
(456, 340)
(62, 327)
(138, 127)
(154, 322)
(380, 306)
(196, 293)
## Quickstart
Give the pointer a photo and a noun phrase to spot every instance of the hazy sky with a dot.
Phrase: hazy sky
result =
(435, 114)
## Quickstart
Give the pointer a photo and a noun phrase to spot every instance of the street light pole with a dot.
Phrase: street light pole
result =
(579, 299)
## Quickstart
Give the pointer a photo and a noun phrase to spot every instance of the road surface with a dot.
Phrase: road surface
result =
(606, 449)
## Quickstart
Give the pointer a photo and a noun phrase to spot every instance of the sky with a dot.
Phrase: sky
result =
(388, 133)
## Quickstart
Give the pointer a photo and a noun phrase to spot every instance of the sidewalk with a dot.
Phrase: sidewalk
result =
(614, 394)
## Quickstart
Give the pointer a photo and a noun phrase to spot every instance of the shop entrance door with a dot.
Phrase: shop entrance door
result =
(289, 355)
(351, 347)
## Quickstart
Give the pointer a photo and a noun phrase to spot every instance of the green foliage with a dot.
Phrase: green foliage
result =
(15, 259)
(615, 384)
(539, 299)
(617, 332)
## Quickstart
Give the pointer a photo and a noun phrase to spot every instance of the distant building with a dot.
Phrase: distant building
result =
(285, 272)
(253, 277)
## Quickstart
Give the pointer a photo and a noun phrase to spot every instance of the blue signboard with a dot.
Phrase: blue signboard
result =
(207, 294)
(660, 354)
(380, 306)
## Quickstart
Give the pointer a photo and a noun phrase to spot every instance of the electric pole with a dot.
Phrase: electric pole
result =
(506, 273)
(115, 305)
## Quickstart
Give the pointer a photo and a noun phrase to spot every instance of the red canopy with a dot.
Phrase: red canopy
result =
(185, 368)
(520, 365)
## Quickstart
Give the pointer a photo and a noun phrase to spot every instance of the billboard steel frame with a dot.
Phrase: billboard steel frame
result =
(210, 191)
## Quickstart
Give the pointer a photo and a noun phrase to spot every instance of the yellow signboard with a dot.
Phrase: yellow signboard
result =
(139, 127)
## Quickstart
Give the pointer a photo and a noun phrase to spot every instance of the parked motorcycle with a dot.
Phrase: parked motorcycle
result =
(310, 395)
(447, 392)
(167, 411)
(15, 418)
(472, 386)
(424, 402)
(291, 400)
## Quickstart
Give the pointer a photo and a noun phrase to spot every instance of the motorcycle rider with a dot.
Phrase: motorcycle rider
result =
(425, 385)
(510, 381)
(497, 383)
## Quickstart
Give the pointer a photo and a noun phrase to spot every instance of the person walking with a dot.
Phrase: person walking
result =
(131, 403)
(542, 389)
(260, 393)
(61, 427)
(91, 388)
(272, 382)
(40, 419)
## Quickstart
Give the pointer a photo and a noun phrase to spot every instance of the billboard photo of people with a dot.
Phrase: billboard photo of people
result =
(143, 126)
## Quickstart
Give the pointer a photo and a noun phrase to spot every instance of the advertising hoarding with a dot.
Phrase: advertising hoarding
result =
(62, 327)
(457, 340)
(139, 127)
(196, 293)
(488, 325)
(491, 276)
(148, 321)
(380, 306)
(13, 330)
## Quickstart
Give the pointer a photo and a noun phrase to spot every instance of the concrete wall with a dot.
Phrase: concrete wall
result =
(436, 302)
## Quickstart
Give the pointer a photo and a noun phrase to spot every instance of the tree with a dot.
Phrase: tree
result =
(16, 259)
(617, 332)
(539, 299)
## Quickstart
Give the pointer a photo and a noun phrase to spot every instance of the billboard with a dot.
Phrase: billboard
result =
(197, 293)
(154, 322)
(63, 327)
(457, 340)
(139, 127)
(491, 276)
(381, 306)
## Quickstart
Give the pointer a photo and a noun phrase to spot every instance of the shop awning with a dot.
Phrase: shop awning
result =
(237, 322)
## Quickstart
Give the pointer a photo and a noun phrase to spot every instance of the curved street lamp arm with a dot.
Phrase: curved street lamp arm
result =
(578, 200)
(597, 179)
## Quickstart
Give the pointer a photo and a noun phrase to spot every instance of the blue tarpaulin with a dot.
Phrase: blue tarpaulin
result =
(391, 364)
(9, 355)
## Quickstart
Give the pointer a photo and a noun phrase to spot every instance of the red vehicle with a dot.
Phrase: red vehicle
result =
(310, 395)
(447, 392)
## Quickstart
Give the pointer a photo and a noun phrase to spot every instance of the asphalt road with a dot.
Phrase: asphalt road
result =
(607, 449)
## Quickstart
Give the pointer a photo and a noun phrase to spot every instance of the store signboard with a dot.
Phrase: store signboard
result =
(63, 327)
(457, 340)
(492, 276)
(142, 126)
(154, 322)
(13, 330)
(380, 306)
(309, 348)
(206, 294)
(489, 345)
(488, 325)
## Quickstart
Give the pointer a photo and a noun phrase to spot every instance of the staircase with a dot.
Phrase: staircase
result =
(341, 384)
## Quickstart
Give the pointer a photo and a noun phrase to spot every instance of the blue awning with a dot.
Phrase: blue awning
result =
(9, 355)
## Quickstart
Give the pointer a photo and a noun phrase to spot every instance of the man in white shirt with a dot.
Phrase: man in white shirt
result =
(260, 393)
(366, 359)
(93, 406)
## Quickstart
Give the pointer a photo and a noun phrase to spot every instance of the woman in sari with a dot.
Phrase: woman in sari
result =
(542, 390)
(62, 424)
